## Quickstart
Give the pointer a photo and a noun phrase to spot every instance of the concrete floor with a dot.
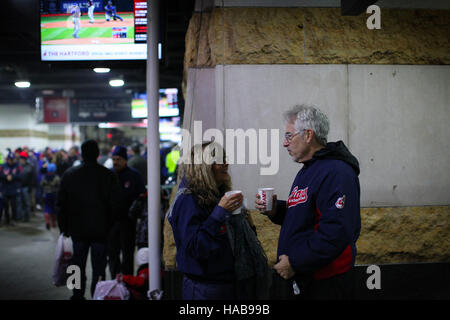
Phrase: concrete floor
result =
(27, 252)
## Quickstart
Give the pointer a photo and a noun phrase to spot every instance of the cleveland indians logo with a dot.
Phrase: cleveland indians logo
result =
(340, 202)
(297, 196)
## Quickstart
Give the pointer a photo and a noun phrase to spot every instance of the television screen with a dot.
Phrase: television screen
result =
(168, 104)
(74, 30)
(170, 129)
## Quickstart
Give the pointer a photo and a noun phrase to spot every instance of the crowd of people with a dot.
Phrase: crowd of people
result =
(29, 180)
(99, 200)
(87, 196)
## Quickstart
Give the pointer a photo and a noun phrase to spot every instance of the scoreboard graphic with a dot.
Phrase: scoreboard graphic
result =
(93, 30)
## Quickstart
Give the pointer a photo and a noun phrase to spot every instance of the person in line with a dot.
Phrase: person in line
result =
(123, 235)
(50, 185)
(62, 162)
(320, 221)
(27, 183)
(208, 254)
(10, 176)
(86, 208)
(138, 162)
(104, 155)
(74, 156)
(34, 163)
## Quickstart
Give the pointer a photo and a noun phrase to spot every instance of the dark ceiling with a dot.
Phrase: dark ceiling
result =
(20, 57)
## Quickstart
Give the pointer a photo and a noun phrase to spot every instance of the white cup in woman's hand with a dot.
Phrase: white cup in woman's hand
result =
(232, 200)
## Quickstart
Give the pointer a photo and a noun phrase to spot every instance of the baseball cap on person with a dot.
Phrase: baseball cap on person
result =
(23, 154)
(121, 152)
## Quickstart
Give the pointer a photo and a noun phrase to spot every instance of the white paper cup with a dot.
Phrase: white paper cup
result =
(266, 195)
(229, 193)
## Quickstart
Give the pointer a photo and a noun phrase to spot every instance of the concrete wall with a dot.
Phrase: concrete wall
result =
(19, 127)
(201, 98)
(393, 118)
(399, 128)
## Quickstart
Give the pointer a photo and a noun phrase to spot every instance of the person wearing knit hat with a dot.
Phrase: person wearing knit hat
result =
(123, 235)
(50, 185)
(142, 256)
(138, 284)
(120, 151)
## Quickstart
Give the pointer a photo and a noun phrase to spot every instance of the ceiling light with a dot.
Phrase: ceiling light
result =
(116, 83)
(102, 70)
(22, 84)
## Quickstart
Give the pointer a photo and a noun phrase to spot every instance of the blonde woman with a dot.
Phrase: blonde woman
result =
(198, 218)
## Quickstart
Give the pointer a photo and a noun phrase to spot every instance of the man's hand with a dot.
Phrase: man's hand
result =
(283, 267)
(261, 205)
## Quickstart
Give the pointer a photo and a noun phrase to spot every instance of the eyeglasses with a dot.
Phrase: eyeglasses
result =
(289, 136)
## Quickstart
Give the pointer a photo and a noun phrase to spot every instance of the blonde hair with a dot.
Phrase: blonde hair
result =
(200, 176)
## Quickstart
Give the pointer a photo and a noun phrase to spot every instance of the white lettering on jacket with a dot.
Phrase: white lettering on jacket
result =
(297, 196)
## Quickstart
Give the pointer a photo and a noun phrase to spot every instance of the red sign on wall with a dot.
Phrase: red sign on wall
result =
(56, 110)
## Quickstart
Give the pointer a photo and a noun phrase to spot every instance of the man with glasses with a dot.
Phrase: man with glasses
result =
(320, 221)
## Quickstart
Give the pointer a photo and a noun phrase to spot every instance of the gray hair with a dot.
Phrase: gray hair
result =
(309, 117)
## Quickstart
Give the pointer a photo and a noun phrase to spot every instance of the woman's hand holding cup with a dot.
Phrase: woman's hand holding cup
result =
(231, 202)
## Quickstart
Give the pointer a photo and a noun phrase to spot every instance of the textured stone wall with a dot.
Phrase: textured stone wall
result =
(388, 235)
(316, 36)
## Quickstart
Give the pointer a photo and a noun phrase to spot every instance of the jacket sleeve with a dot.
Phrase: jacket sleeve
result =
(278, 218)
(136, 281)
(199, 237)
(2, 175)
(338, 210)
(17, 176)
(114, 199)
(61, 210)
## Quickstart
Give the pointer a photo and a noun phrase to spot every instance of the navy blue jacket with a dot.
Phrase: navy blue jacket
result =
(132, 185)
(321, 219)
(87, 202)
(203, 247)
(10, 188)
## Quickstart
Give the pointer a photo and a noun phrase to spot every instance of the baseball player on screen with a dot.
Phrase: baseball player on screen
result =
(91, 7)
(110, 11)
(75, 11)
